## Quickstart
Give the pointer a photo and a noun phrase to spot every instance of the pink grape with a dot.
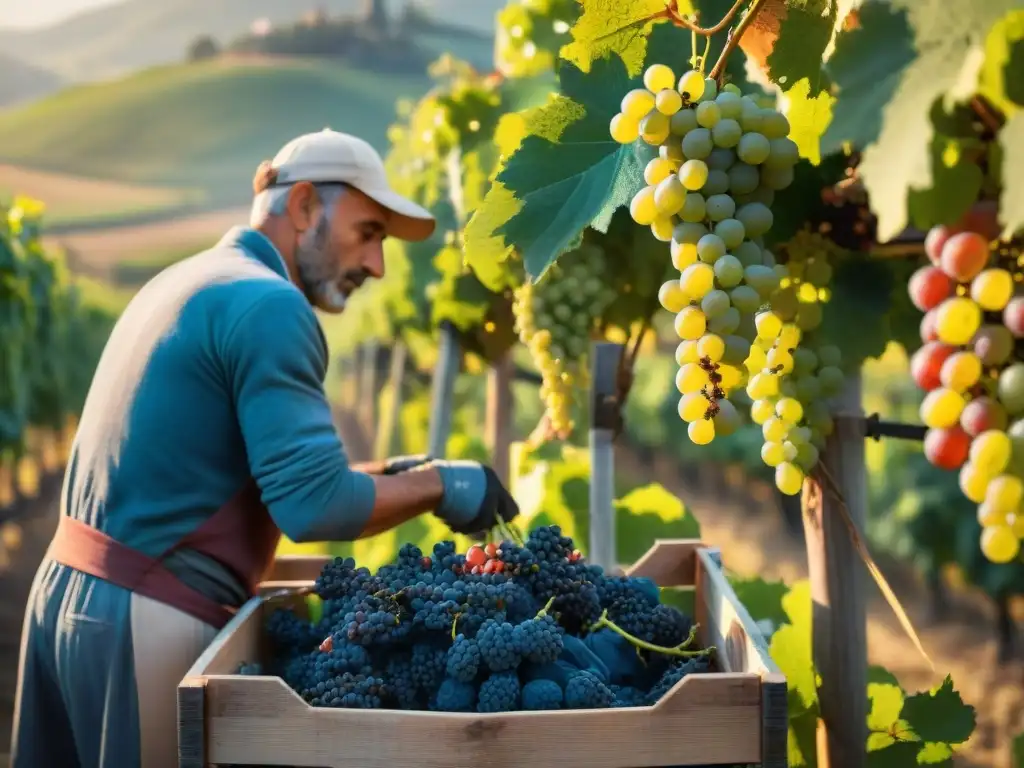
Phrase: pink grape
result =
(964, 255)
(928, 286)
(929, 326)
(1013, 316)
(947, 448)
(981, 414)
(934, 241)
(926, 364)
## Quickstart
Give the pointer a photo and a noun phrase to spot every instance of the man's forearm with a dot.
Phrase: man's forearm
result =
(400, 498)
(370, 467)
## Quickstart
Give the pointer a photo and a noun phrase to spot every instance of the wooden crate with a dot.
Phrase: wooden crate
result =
(733, 716)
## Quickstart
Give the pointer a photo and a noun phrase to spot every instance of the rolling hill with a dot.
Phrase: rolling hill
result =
(126, 36)
(201, 126)
(24, 82)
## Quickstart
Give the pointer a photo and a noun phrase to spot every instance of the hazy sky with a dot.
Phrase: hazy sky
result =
(37, 13)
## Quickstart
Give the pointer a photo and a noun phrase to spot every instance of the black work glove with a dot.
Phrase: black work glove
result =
(399, 464)
(474, 498)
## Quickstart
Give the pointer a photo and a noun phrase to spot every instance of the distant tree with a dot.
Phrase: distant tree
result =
(376, 14)
(203, 47)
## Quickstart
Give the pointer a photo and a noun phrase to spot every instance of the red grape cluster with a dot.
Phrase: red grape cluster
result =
(971, 370)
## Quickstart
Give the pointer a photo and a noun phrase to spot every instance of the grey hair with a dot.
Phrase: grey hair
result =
(273, 200)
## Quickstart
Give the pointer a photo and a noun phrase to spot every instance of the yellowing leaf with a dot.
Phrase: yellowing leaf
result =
(484, 251)
(809, 116)
(613, 26)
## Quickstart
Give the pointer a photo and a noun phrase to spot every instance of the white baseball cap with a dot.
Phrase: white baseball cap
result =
(333, 157)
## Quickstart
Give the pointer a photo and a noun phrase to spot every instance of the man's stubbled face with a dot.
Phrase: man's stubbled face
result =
(333, 261)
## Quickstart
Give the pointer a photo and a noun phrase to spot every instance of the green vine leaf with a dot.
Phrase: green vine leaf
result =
(948, 38)
(1011, 202)
(956, 183)
(612, 26)
(1000, 81)
(579, 181)
(940, 715)
(804, 33)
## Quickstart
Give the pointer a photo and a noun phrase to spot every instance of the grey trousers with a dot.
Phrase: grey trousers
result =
(98, 675)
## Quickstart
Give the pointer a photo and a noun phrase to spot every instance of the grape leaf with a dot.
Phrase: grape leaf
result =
(485, 252)
(790, 648)
(956, 182)
(865, 69)
(648, 513)
(763, 599)
(612, 26)
(582, 179)
(1000, 80)
(809, 117)
(805, 30)
(861, 298)
(1018, 750)
(899, 754)
(1011, 201)
(940, 715)
(948, 36)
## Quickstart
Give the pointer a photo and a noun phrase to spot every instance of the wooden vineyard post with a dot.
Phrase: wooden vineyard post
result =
(443, 392)
(837, 587)
(604, 422)
(498, 427)
(390, 417)
(367, 409)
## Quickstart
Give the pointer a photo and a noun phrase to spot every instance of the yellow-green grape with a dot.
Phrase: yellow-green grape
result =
(772, 454)
(756, 359)
(941, 409)
(762, 385)
(691, 323)
(686, 352)
(657, 170)
(990, 451)
(789, 410)
(727, 420)
(654, 128)
(694, 209)
(708, 114)
(788, 478)
(697, 280)
(1004, 494)
(672, 152)
(761, 411)
(731, 377)
(774, 430)
(668, 101)
(974, 483)
(692, 407)
(999, 543)
(753, 148)
(711, 347)
(789, 335)
(774, 125)
(691, 85)
(672, 296)
(669, 196)
(662, 227)
(658, 77)
(691, 378)
(768, 325)
(779, 360)
(624, 129)
(642, 207)
(637, 103)
(693, 174)
(701, 432)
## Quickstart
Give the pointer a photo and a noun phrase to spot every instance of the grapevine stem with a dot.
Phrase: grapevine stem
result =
(679, 650)
(871, 565)
(734, 38)
(546, 609)
(682, 21)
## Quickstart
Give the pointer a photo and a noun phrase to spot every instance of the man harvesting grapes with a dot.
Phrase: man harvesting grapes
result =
(205, 436)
